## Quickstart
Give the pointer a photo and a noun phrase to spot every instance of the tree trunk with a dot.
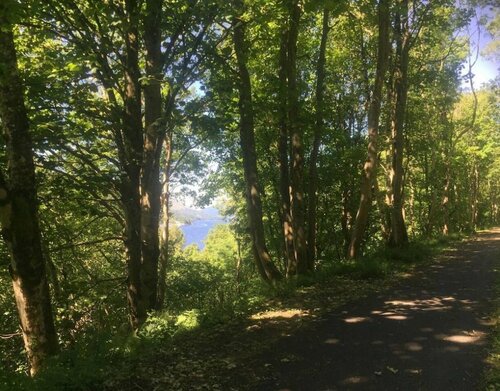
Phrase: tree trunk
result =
(130, 186)
(239, 262)
(153, 142)
(384, 213)
(165, 229)
(19, 211)
(318, 131)
(345, 217)
(399, 236)
(267, 269)
(141, 187)
(370, 168)
(285, 210)
(445, 204)
(474, 198)
(297, 148)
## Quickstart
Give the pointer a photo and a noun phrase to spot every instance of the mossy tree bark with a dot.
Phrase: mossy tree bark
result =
(19, 210)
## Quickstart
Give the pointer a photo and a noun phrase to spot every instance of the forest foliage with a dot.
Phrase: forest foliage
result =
(327, 132)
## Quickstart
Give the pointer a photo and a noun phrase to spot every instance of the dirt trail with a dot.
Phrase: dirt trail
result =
(428, 333)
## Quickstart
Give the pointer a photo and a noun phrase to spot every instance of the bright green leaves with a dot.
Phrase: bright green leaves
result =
(72, 67)
(336, 7)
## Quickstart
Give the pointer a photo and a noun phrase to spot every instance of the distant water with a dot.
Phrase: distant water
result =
(197, 231)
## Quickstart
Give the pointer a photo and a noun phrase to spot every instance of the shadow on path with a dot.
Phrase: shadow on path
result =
(428, 333)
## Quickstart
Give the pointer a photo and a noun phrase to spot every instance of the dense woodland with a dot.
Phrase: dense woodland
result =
(326, 131)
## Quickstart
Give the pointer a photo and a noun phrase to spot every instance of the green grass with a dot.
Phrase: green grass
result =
(387, 261)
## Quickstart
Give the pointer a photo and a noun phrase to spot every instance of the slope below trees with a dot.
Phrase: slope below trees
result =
(425, 329)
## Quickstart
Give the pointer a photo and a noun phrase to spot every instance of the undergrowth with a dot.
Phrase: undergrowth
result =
(101, 360)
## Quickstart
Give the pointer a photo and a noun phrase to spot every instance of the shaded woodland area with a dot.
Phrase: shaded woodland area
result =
(331, 133)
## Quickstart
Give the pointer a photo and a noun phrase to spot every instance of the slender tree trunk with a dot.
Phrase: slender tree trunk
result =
(130, 199)
(474, 200)
(445, 204)
(433, 216)
(318, 131)
(267, 269)
(285, 210)
(399, 236)
(344, 219)
(385, 218)
(165, 229)
(153, 141)
(370, 168)
(239, 262)
(19, 210)
(428, 198)
(52, 275)
(297, 148)
(130, 186)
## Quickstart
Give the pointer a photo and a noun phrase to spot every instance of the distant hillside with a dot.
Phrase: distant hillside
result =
(186, 215)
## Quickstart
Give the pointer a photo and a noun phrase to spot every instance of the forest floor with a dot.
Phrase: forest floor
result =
(424, 330)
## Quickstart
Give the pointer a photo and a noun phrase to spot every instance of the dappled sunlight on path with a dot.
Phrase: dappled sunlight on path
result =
(429, 333)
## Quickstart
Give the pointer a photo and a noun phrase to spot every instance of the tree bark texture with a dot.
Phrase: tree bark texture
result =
(318, 131)
(164, 228)
(130, 186)
(475, 190)
(19, 210)
(266, 268)
(141, 187)
(153, 142)
(370, 168)
(297, 147)
(284, 186)
(399, 236)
